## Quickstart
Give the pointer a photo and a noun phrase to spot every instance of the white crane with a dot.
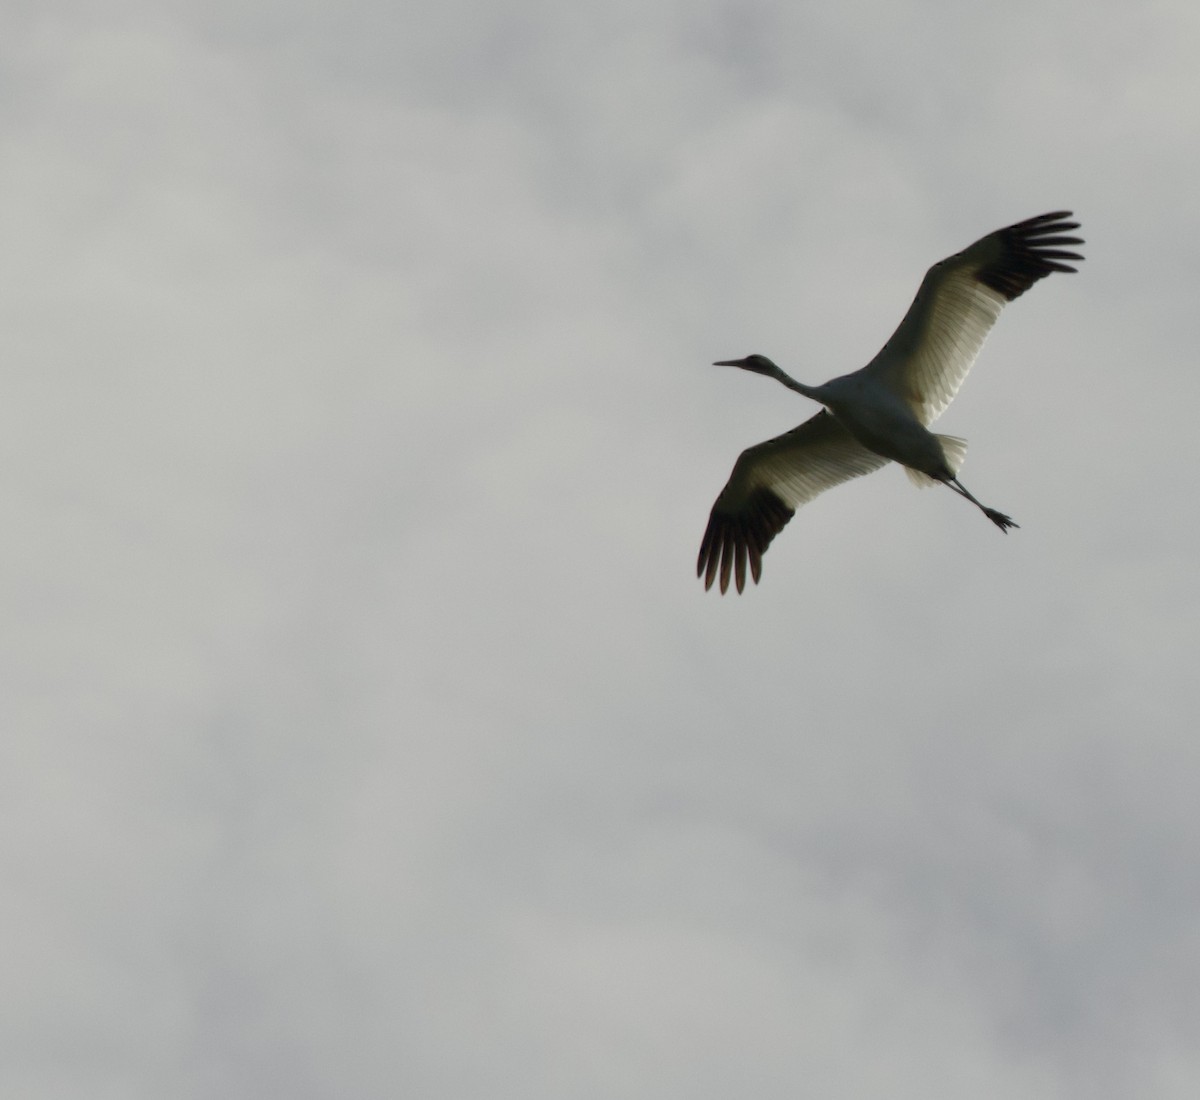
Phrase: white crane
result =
(880, 413)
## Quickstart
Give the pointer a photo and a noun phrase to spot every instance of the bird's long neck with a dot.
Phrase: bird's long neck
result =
(811, 392)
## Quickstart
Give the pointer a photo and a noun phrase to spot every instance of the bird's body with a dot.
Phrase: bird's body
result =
(881, 413)
(883, 422)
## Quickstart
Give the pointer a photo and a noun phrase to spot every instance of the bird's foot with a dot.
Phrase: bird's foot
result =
(1000, 519)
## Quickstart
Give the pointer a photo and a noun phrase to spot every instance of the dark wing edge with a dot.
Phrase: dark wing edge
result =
(732, 539)
(1028, 251)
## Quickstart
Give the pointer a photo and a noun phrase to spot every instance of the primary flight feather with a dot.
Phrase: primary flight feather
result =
(881, 413)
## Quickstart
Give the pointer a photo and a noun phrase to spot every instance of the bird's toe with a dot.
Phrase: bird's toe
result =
(1000, 519)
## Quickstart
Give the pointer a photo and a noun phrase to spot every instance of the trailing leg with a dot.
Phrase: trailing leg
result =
(998, 518)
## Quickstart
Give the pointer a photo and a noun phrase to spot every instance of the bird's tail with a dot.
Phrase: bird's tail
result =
(955, 451)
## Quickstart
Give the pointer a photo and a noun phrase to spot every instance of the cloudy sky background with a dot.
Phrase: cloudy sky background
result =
(366, 730)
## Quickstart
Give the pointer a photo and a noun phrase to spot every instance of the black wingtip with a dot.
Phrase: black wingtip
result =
(1029, 251)
(734, 542)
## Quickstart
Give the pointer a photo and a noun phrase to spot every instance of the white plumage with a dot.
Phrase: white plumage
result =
(881, 413)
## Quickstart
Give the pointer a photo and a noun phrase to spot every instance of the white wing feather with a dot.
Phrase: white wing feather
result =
(801, 464)
(938, 341)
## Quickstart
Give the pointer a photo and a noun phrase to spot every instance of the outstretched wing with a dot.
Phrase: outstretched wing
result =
(769, 482)
(960, 298)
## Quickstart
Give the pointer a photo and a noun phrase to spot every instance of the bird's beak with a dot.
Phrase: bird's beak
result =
(728, 362)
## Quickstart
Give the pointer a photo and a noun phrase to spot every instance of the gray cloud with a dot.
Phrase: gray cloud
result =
(367, 731)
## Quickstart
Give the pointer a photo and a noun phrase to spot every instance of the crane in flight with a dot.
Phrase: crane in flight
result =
(881, 413)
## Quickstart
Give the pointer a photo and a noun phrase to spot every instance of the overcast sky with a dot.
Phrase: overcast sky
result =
(366, 731)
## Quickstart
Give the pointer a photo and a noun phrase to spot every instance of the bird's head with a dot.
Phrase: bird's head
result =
(758, 364)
